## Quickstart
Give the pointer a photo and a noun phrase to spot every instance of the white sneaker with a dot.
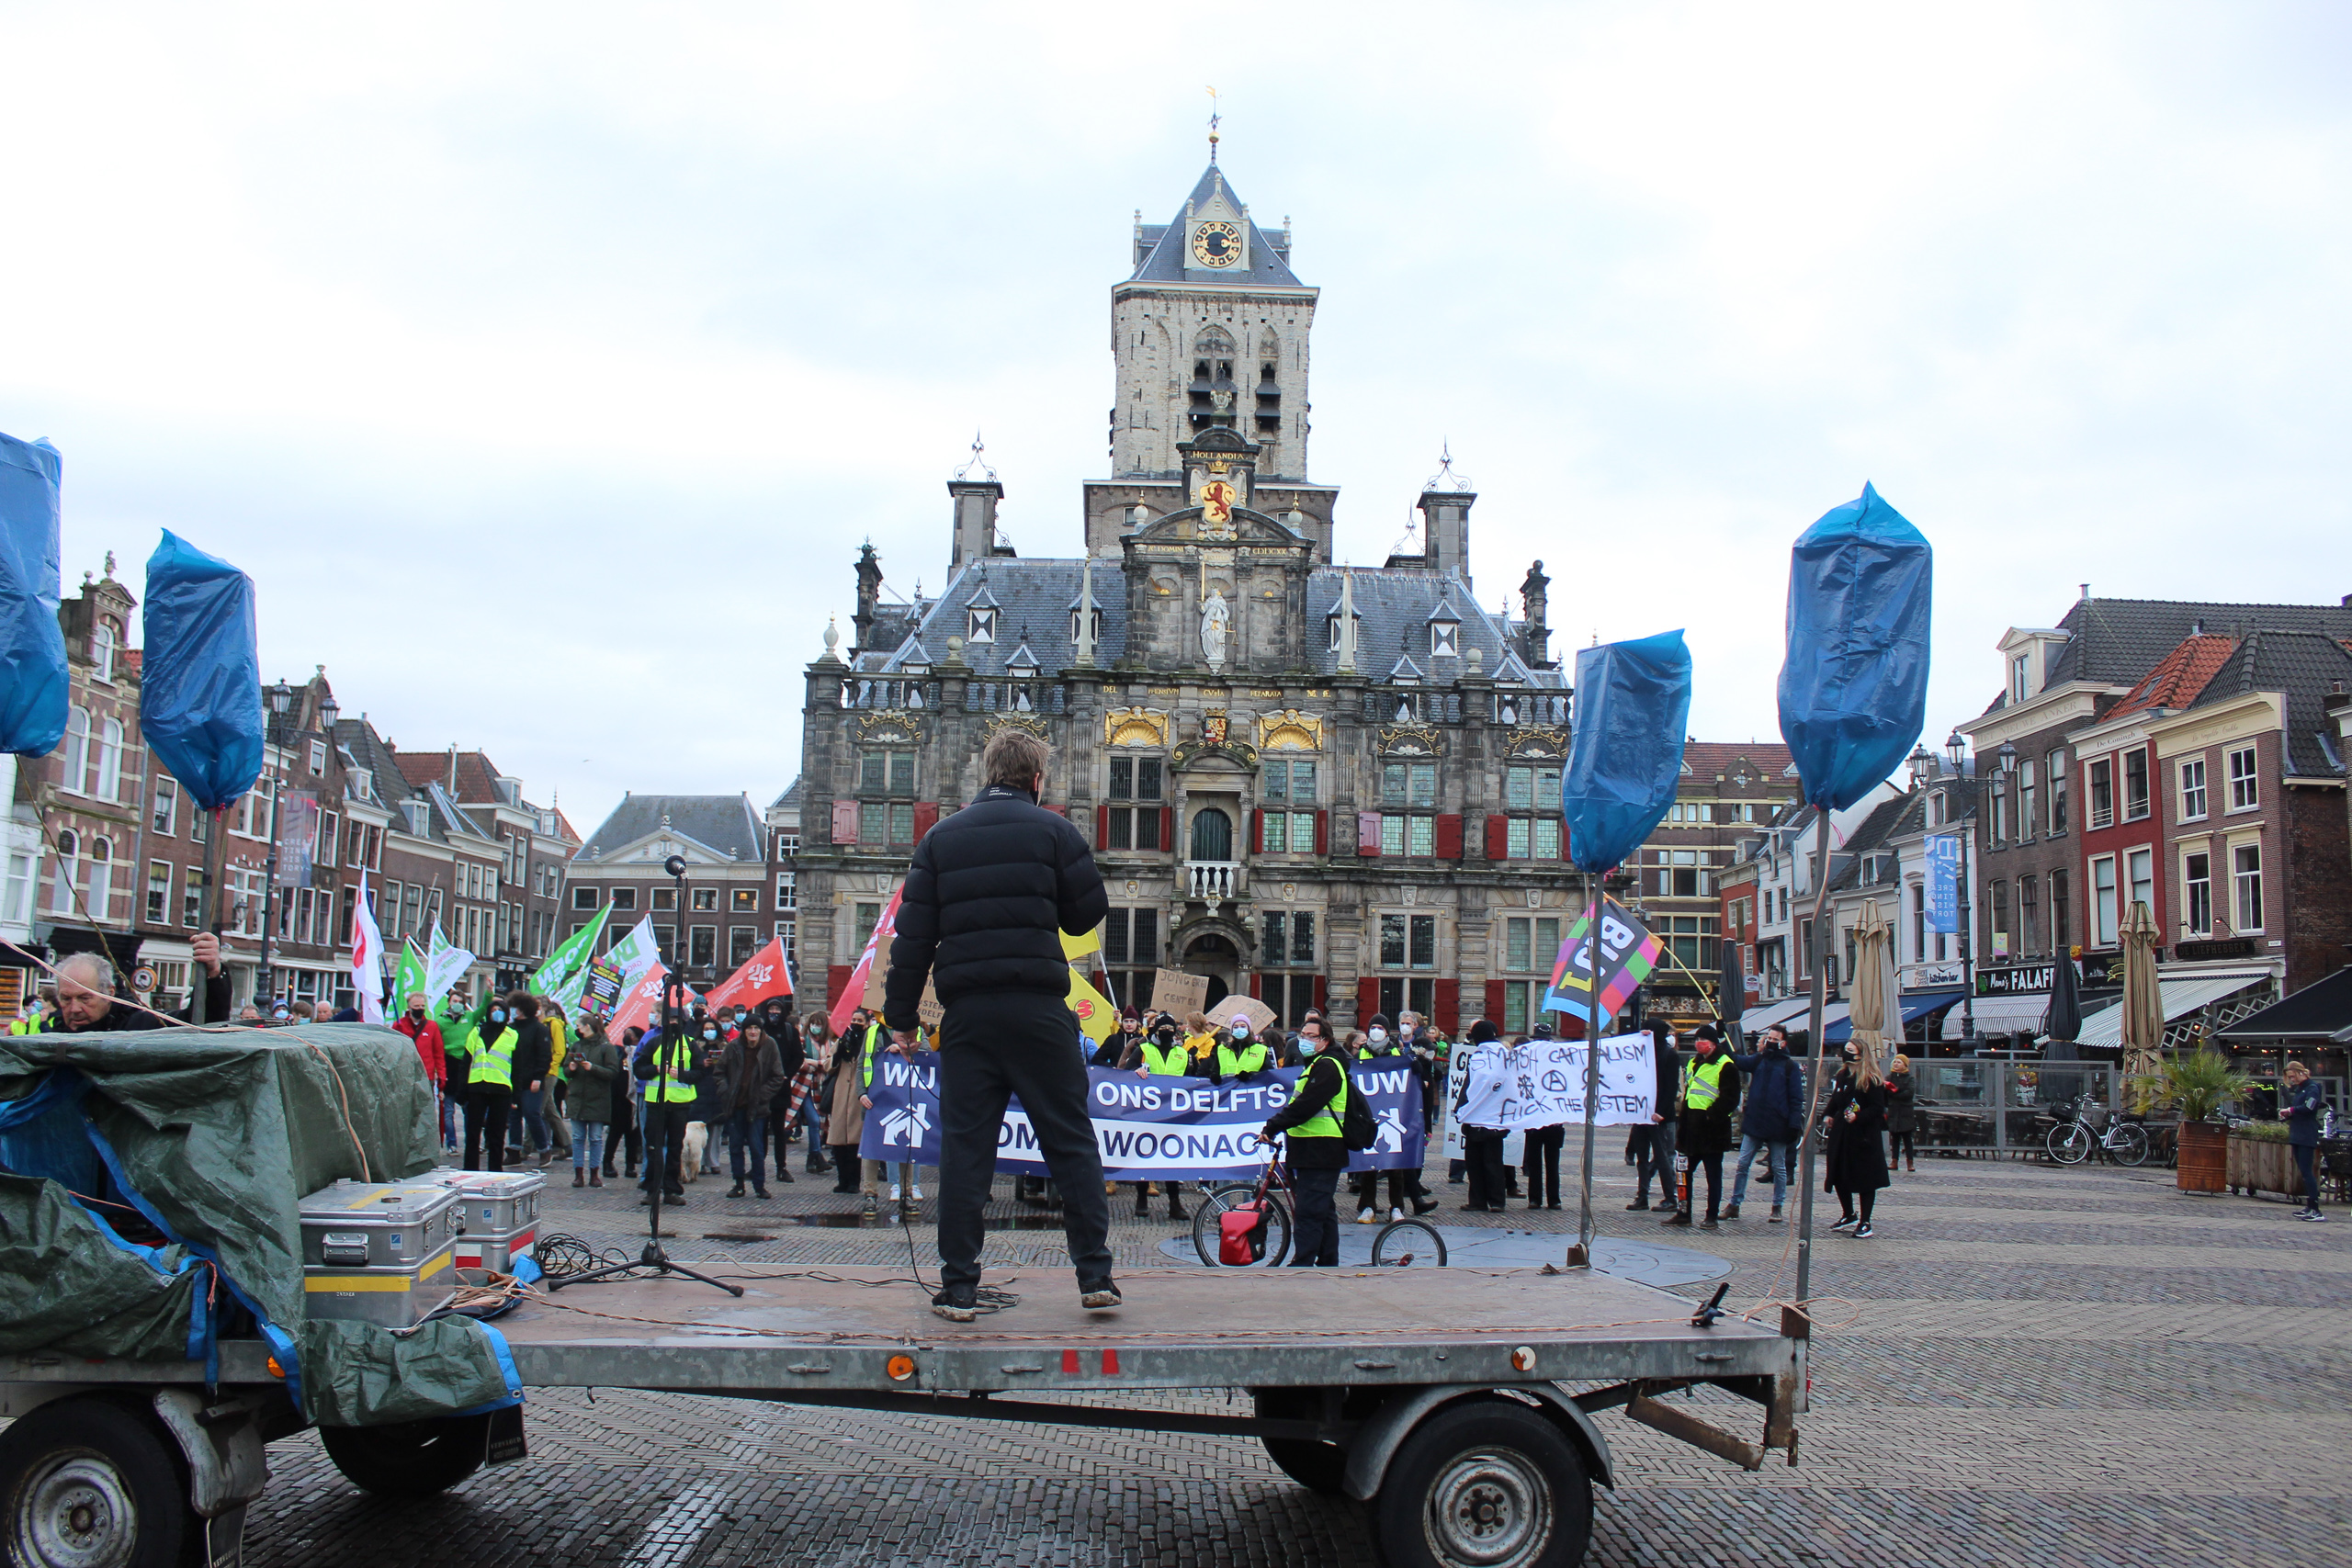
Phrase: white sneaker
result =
(894, 1191)
(915, 1192)
(1363, 1216)
(1395, 1214)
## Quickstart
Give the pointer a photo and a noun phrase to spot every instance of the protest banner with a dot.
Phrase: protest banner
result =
(1150, 1129)
(1178, 993)
(1539, 1083)
(855, 995)
(760, 978)
(1628, 954)
(641, 1005)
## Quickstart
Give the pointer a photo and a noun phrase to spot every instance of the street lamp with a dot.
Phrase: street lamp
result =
(1923, 768)
(281, 698)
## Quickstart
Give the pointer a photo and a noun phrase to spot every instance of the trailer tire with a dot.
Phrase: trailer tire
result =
(85, 1479)
(1485, 1484)
(410, 1458)
(1319, 1467)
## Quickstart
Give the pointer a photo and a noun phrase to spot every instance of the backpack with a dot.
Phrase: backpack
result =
(1357, 1128)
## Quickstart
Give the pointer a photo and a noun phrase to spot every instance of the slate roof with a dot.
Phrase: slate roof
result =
(2303, 665)
(792, 795)
(2115, 642)
(1393, 608)
(1886, 821)
(720, 822)
(1269, 261)
(1032, 598)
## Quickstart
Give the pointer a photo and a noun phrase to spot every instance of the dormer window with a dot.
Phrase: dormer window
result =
(1445, 639)
(2018, 668)
(982, 627)
(102, 647)
(1096, 625)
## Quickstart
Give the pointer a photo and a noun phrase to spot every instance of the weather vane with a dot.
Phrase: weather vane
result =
(1213, 117)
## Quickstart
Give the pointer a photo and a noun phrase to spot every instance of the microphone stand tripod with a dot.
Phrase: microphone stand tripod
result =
(673, 1038)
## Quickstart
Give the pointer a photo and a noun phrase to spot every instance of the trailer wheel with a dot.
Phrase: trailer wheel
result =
(1319, 1467)
(1485, 1484)
(88, 1484)
(410, 1458)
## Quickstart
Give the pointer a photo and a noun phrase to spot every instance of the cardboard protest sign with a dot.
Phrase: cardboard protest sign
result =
(1260, 1016)
(1179, 993)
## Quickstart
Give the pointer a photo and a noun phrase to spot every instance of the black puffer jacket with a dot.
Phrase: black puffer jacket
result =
(990, 892)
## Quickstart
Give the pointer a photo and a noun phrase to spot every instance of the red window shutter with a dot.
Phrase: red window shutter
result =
(1449, 838)
(1495, 998)
(1168, 828)
(837, 981)
(926, 818)
(1322, 832)
(1498, 842)
(1101, 826)
(845, 821)
(1322, 990)
(1258, 986)
(1367, 998)
(1368, 837)
(1448, 1006)
(1257, 833)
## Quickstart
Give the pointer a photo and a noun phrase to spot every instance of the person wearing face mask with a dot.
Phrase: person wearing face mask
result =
(1856, 1150)
(670, 1065)
(1654, 1155)
(489, 1089)
(1403, 1185)
(1317, 1154)
(1709, 1092)
(426, 1035)
(590, 1065)
(1162, 1054)
(1238, 1051)
(1772, 1117)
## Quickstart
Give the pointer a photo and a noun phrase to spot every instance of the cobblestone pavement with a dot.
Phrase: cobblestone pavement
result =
(2030, 1365)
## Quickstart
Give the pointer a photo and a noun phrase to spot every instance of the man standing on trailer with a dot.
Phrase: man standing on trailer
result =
(989, 895)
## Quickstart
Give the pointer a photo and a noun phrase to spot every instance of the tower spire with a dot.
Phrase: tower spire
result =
(1213, 117)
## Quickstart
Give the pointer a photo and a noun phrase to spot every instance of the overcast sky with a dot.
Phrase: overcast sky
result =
(545, 365)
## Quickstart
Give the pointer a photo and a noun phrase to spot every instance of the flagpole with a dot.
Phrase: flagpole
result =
(1808, 1146)
(1581, 1255)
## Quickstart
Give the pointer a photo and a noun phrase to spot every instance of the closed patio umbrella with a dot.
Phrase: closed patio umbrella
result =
(1877, 1007)
(1731, 990)
(2144, 1011)
(2064, 1019)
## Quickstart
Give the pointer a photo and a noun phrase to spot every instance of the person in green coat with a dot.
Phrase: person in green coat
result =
(591, 1063)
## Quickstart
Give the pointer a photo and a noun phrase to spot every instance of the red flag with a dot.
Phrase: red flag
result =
(853, 993)
(756, 981)
(640, 1005)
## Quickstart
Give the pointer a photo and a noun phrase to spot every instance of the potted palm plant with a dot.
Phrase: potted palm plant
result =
(2197, 1084)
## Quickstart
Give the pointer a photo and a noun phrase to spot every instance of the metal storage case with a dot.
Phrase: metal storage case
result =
(499, 1214)
(378, 1252)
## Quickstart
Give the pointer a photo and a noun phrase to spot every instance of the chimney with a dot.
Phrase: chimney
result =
(976, 495)
(2086, 590)
(1445, 530)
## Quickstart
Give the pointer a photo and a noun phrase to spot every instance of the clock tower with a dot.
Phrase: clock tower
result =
(1209, 331)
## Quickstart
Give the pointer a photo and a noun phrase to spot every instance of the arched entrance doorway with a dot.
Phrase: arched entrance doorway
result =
(1216, 958)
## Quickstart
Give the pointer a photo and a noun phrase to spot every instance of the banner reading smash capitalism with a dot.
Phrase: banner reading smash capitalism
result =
(1540, 1083)
(1148, 1128)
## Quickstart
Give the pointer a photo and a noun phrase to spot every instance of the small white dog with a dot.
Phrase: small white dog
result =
(690, 1150)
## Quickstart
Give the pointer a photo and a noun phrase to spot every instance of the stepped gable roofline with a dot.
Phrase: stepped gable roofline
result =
(1268, 263)
(2301, 666)
(727, 825)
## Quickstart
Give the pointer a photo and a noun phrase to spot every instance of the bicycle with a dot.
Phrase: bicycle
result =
(2072, 1140)
(1400, 1244)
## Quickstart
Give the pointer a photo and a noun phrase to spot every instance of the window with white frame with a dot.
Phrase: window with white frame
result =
(2026, 817)
(110, 760)
(318, 757)
(2102, 792)
(2136, 785)
(2246, 874)
(166, 816)
(2192, 790)
(2140, 866)
(787, 890)
(75, 774)
(2103, 912)
(2018, 665)
(2197, 888)
(2245, 793)
(2057, 761)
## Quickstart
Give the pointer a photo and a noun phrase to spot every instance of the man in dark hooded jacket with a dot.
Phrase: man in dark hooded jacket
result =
(1772, 1115)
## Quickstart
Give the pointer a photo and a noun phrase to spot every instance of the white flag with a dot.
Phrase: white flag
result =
(367, 958)
(636, 953)
(444, 965)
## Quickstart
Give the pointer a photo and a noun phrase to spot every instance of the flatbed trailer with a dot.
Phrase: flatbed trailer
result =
(1458, 1404)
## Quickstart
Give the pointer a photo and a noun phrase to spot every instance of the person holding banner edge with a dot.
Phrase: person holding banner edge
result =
(988, 895)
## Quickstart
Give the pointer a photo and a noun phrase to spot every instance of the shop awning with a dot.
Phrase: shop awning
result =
(1916, 1006)
(2319, 1013)
(2181, 996)
(1786, 1012)
(2020, 1013)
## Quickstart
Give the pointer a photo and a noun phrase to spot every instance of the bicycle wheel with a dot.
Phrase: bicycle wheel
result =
(1269, 1245)
(2070, 1144)
(2129, 1144)
(1407, 1244)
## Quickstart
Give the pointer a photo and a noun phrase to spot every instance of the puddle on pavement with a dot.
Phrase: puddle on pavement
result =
(858, 1222)
(742, 1238)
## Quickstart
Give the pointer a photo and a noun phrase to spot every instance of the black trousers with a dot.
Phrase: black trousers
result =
(486, 1106)
(1543, 1145)
(1314, 1240)
(1482, 1149)
(665, 1132)
(1712, 1166)
(993, 1046)
(1367, 1185)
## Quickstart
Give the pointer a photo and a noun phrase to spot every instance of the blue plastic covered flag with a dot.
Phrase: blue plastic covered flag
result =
(1854, 689)
(32, 648)
(1633, 702)
(200, 678)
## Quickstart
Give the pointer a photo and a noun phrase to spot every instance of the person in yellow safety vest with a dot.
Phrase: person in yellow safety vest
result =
(874, 1039)
(669, 1063)
(1238, 1052)
(1710, 1089)
(1162, 1054)
(489, 1089)
(1317, 1155)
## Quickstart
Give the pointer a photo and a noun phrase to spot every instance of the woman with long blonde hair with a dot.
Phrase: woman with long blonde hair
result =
(1856, 1150)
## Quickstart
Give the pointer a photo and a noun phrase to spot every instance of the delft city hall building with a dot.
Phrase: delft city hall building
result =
(1326, 787)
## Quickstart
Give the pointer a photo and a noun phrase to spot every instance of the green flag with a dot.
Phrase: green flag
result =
(567, 960)
(408, 979)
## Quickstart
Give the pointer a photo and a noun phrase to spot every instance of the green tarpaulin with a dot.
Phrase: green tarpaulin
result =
(218, 1134)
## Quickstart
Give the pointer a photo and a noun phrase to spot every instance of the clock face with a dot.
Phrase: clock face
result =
(1217, 244)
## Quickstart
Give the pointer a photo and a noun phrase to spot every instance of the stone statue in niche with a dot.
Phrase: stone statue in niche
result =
(1217, 624)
